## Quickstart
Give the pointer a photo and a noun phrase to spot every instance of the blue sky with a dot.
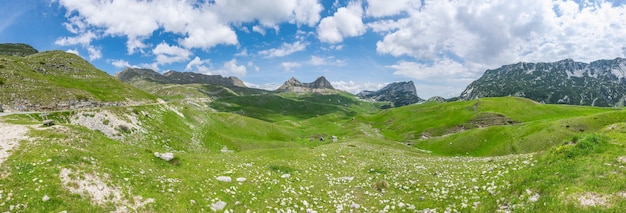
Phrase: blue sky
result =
(441, 45)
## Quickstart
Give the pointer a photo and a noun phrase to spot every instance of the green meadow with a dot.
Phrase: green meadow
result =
(262, 153)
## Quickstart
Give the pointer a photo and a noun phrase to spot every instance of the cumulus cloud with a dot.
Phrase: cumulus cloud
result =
(285, 49)
(166, 54)
(326, 61)
(354, 88)
(73, 51)
(119, 63)
(458, 40)
(229, 68)
(379, 8)
(200, 24)
(290, 65)
(346, 22)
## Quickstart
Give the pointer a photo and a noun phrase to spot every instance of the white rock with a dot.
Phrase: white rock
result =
(168, 156)
(224, 179)
(218, 206)
(45, 198)
(285, 176)
(355, 206)
(241, 179)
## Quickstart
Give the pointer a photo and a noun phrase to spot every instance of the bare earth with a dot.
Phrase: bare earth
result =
(10, 136)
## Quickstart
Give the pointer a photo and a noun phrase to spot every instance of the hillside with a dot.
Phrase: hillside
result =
(17, 49)
(55, 80)
(225, 161)
(599, 83)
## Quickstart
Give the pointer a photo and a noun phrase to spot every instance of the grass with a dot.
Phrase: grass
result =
(56, 77)
(367, 170)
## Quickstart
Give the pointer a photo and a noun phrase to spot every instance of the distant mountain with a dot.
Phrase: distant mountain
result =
(17, 49)
(55, 80)
(320, 85)
(398, 93)
(599, 83)
(173, 77)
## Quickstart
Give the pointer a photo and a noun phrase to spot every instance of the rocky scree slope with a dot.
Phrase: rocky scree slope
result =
(56, 80)
(398, 94)
(599, 83)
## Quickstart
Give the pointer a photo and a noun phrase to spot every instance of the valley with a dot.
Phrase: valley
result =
(176, 145)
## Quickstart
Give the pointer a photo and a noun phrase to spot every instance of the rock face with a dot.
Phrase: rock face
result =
(398, 93)
(173, 77)
(599, 83)
(437, 99)
(320, 85)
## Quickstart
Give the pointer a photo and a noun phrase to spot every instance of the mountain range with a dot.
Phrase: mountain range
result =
(599, 83)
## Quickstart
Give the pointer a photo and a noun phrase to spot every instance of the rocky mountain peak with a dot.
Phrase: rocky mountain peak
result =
(320, 85)
(17, 49)
(398, 93)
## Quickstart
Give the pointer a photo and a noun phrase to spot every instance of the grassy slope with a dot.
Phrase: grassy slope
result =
(56, 76)
(540, 126)
(363, 169)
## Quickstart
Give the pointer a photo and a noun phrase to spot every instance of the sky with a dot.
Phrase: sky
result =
(440, 45)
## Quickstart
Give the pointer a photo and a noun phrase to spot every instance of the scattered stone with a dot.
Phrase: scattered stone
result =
(622, 159)
(48, 122)
(226, 179)
(192, 202)
(285, 176)
(534, 198)
(45, 198)
(355, 206)
(240, 179)
(592, 199)
(334, 138)
(218, 206)
(168, 156)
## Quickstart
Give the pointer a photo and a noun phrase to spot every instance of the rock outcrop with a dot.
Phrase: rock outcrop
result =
(398, 94)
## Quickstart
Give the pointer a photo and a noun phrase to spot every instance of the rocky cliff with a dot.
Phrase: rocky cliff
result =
(599, 83)
(398, 93)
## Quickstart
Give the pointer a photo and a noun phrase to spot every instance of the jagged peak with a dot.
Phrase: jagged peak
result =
(294, 85)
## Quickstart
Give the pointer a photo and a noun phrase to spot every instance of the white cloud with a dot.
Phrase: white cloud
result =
(266, 86)
(166, 54)
(346, 22)
(119, 63)
(354, 88)
(94, 53)
(82, 39)
(326, 61)
(73, 51)
(290, 65)
(258, 29)
(285, 49)
(229, 68)
(308, 12)
(379, 8)
(232, 68)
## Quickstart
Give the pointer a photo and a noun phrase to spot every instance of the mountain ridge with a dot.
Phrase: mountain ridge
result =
(598, 83)
(175, 77)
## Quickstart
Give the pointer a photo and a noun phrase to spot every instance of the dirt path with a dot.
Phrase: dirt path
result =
(10, 136)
